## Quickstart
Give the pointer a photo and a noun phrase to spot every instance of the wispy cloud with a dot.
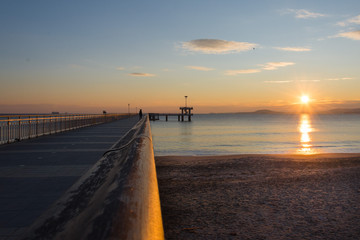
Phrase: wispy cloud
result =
(278, 82)
(294, 49)
(276, 65)
(310, 80)
(120, 68)
(339, 79)
(354, 20)
(304, 14)
(267, 66)
(326, 79)
(200, 68)
(354, 35)
(217, 46)
(238, 72)
(141, 74)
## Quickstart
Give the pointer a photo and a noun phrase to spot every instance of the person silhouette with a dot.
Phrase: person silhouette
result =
(140, 114)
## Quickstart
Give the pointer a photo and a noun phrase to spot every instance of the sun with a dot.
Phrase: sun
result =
(305, 99)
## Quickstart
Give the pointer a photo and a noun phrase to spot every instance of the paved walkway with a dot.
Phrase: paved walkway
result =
(35, 173)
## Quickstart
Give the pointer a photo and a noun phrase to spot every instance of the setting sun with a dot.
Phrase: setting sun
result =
(305, 99)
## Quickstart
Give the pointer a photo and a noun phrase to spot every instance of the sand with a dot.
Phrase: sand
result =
(260, 196)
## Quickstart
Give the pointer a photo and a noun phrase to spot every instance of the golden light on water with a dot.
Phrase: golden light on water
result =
(305, 129)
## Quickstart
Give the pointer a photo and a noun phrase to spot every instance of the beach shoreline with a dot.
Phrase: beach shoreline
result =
(260, 196)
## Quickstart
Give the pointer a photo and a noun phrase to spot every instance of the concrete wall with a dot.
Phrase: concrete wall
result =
(117, 198)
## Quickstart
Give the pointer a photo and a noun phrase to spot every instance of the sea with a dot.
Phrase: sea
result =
(255, 133)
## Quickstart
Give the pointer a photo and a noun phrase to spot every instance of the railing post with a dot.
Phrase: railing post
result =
(66, 123)
(60, 124)
(55, 125)
(43, 121)
(37, 125)
(29, 127)
(50, 125)
(8, 130)
(19, 128)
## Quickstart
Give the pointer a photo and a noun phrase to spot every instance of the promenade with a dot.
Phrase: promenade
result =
(35, 173)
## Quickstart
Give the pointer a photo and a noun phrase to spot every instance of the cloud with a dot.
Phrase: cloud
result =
(338, 79)
(216, 46)
(304, 14)
(354, 20)
(267, 66)
(276, 65)
(326, 79)
(310, 80)
(354, 35)
(141, 74)
(120, 68)
(294, 49)
(237, 72)
(200, 68)
(277, 81)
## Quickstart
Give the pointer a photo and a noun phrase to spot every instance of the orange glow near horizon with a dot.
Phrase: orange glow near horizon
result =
(305, 129)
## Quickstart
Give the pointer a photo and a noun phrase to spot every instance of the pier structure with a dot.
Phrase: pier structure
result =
(185, 112)
(95, 182)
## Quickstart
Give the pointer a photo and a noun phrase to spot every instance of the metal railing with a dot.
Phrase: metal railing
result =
(19, 127)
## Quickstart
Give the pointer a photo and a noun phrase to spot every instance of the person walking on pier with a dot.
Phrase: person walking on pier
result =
(140, 114)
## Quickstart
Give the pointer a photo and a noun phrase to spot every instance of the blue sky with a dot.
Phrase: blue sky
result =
(74, 56)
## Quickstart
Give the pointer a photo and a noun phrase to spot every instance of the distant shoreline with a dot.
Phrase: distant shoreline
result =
(267, 111)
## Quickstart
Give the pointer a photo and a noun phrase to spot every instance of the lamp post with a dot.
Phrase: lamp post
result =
(186, 101)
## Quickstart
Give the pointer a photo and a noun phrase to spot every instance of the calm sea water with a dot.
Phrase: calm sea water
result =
(219, 134)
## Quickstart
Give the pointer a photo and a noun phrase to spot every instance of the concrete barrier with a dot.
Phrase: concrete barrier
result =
(118, 198)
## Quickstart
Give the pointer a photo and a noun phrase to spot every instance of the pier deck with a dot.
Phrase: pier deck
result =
(36, 172)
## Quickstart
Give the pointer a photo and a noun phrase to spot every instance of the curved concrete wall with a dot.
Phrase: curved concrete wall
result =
(117, 199)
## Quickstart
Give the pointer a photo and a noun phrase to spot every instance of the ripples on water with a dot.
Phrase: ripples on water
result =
(217, 134)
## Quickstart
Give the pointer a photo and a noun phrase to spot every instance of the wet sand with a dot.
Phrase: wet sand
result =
(260, 196)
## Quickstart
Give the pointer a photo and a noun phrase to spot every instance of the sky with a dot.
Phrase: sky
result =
(226, 56)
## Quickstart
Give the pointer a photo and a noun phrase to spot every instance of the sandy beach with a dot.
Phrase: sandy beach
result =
(260, 196)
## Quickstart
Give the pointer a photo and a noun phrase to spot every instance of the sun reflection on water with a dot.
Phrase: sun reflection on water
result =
(305, 129)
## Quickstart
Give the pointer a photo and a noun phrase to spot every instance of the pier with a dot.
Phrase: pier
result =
(185, 112)
(95, 182)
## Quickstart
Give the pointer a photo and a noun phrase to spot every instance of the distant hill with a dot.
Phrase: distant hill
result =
(266, 111)
(342, 111)
(331, 111)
